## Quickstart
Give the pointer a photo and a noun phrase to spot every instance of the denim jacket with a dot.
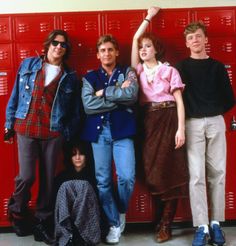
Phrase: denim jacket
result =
(65, 112)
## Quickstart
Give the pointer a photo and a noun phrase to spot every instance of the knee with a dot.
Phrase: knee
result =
(126, 180)
(26, 180)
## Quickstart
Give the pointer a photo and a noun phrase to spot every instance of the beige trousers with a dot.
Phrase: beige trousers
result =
(206, 150)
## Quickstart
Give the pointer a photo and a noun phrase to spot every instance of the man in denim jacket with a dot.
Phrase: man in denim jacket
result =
(108, 95)
(43, 110)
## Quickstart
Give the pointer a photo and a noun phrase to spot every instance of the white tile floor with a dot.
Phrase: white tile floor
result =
(135, 235)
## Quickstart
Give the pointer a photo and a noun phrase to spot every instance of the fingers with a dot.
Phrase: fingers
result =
(179, 142)
(126, 84)
(10, 141)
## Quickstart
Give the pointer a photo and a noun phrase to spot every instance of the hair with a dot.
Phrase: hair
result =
(107, 38)
(193, 27)
(52, 35)
(69, 151)
(158, 46)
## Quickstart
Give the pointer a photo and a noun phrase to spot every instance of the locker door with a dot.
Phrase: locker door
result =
(33, 27)
(141, 207)
(27, 49)
(230, 207)
(175, 50)
(123, 25)
(5, 28)
(221, 48)
(8, 152)
(170, 23)
(84, 30)
(219, 21)
(6, 55)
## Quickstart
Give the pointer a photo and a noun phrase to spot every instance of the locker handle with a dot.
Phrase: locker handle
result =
(233, 124)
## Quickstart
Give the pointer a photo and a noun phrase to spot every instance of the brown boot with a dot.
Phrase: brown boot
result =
(163, 230)
(164, 234)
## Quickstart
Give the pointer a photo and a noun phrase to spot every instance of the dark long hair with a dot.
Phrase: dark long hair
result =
(51, 36)
(70, 148)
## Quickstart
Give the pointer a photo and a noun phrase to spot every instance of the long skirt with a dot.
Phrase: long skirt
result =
(77, 207)
(165, 167)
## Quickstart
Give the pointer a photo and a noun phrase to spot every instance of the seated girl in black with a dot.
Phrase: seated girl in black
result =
(77, 215)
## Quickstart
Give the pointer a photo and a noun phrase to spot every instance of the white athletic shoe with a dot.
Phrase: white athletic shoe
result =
(113, 236)
(122, 222)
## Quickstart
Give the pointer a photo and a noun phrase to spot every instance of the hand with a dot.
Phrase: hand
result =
(152, 11)
(126, 84)
(99, 93)
(179, 139)
(8, 135)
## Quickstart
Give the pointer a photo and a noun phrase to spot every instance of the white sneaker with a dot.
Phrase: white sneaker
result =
(113, 236)
(122, 222)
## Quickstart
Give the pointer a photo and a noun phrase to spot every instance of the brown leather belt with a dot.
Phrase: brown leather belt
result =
(152, 106)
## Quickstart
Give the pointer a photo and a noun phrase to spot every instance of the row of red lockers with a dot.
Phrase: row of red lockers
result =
(21, 35)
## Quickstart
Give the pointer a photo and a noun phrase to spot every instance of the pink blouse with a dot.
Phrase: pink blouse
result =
(166, 81)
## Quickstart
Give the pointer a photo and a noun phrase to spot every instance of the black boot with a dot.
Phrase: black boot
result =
(21, 222)
(20, 225)
(41, 233)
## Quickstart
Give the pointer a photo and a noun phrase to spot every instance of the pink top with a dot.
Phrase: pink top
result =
(166, 81)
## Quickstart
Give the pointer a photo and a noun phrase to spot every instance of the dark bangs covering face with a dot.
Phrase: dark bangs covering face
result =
(71, 148)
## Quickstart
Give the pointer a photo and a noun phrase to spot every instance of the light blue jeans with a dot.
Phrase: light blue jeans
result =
(122, 151)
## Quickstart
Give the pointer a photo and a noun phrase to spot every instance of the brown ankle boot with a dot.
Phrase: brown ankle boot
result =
(163, 230)
(163, 234)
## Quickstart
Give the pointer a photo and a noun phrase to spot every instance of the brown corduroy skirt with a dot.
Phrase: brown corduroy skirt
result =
(165, 167)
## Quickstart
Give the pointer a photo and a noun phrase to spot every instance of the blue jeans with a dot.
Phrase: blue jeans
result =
(122, 151)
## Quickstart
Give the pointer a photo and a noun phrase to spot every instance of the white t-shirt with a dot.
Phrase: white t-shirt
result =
(51, 72)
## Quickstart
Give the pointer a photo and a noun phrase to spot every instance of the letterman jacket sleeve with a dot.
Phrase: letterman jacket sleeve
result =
(126, 96)
(92, 103)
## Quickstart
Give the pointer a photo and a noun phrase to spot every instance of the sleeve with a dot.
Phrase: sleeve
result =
(125, 96)
(12, 104)
(74, 112)
(175, 80)
(228, 97)
(92, 103)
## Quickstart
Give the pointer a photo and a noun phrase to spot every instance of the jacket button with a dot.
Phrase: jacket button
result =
(98, 127)
(102, 117)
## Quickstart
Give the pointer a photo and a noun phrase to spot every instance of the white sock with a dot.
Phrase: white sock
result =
(206, 229)
(215, 222)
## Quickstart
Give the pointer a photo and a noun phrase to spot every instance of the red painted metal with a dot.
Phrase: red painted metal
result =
(21, 35)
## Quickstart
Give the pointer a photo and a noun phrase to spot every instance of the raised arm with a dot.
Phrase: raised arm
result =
(151, 12)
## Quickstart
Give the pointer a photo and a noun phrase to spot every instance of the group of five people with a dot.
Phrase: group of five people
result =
(46, 107)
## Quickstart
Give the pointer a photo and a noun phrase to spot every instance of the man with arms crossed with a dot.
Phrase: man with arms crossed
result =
(108, 95)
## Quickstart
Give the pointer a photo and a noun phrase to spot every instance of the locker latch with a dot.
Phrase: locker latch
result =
(233, 124)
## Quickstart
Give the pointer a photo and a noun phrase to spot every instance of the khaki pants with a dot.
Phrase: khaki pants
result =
(206, 149)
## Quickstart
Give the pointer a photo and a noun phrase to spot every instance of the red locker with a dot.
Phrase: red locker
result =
(33, 27)
(21, 35)
(222, 48)
(220, 22)
(6, 56)
(5, 28)
(123, 25)
(27, 49)
(8, 152)
(83, 29)
(170, 23)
